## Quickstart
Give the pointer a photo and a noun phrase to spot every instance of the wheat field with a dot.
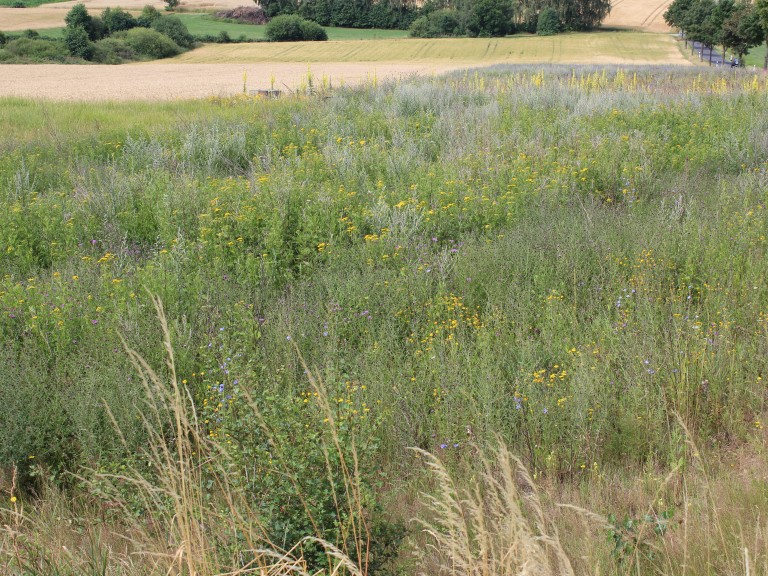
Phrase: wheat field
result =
(224, 70)
(644, 15)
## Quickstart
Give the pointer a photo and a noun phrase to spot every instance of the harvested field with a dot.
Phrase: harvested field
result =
(52, 15)
(186, 81)
(217, 70)
(644, 15)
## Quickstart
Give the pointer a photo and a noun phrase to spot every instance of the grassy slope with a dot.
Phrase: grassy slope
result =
(583, 48)
(756, 56)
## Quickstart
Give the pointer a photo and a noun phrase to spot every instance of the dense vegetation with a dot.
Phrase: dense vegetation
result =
(471, 17)
(737, 26)
(293, 28)
(571, 261)
(114, 37)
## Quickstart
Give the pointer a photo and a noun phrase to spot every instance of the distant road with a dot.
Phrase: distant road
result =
(646, 15)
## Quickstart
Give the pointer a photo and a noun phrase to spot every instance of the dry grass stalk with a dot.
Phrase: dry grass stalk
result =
(495, 528)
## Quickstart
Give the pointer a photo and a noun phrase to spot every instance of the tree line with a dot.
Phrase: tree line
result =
(734, 25)
(471, 17)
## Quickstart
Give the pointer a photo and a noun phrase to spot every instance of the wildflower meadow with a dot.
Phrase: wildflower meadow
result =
(499, 320)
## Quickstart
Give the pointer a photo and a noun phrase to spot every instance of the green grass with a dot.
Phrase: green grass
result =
(54, 33)
(202, 25)
(756, 56)
(205, 25)
(569, 259)
(28, 3)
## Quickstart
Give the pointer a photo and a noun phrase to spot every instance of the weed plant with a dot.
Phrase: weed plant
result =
(564, 259)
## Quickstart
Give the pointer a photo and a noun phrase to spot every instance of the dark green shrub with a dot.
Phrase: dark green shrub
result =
(223, 38)
(33, 34)
(18, 4)
(112, 51)
(151, 43)
(38, 50)
(175, 29)
(321, 11)
(350, 13)
(312, 31)
(78, 16)
(436, 24)
(94, 27)
(445, 22)
(293, 28)
(548, 23)
(148, 15)
(284, 28)
(3, 39)
(116, 20)
(98, 29)
(357, 13)
(420, 28)
(274, 8)
(78, 44)
(491, 18)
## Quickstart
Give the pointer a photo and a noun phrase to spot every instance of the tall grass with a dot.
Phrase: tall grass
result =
(564, 259)
(495, 527)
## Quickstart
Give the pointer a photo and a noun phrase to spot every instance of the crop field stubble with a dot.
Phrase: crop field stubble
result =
(647, 15)
(218, 70)
(347, 62)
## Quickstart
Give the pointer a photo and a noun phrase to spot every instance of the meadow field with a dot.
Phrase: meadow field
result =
(306, 335)
(201, 24)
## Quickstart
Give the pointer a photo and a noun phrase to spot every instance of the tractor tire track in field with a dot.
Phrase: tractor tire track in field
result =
(637, 15)
(652, 16)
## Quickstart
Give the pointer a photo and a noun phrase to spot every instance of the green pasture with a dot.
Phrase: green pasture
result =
(206, 25)
(756, 56)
